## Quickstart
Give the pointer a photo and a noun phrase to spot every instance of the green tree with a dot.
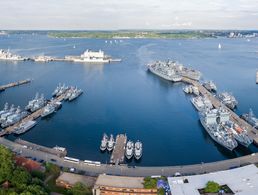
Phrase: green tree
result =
(36, 189)
(79, 189)
(20, 176)
(6, 164)
(212, 187)
(150, 183)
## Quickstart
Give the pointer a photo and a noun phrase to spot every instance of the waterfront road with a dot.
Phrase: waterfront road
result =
(124, 170)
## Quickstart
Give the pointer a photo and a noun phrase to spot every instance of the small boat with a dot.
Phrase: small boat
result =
(129, 150)
(110, 143)
(138, 150)
(104, 141)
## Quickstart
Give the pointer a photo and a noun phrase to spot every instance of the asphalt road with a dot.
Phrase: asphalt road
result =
(124, 170)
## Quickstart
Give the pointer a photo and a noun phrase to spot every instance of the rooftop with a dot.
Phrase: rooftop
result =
(119, 181)
(72, 179)
(241, 181)
(27, 163)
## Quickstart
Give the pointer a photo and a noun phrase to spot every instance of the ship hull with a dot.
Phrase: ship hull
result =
(160, 75)
(214, 138)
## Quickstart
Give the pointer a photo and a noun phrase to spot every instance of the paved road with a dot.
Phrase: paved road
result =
(133, 171)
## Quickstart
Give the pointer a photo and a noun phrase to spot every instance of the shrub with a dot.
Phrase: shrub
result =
(212, 187)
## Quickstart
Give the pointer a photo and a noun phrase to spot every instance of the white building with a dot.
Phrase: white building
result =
(242, 181)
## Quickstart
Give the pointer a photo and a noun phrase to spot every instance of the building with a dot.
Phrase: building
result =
(28, 164)
(107, 184)
(68, 180)
(241, 181)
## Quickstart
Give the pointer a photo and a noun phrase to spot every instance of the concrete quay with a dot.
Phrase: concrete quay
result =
(252, 132)
(124, 170)
(41, 148)
(14, 84)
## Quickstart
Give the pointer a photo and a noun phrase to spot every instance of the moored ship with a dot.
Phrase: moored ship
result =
(74, 94)
(164, 70)
(104, 142)
(228, 99)
(7, 55)
(92, 57)
(23, 127)
(48, 110)
(137, 150)
(201, 103)
(37, 103)
(251, 118)
(210, 86)
(110, 143)
(129, 150)
(211, 121)
(8, 113)
(238, 133)
(14, 118)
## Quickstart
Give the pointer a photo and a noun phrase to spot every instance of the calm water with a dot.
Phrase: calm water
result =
(125, 98)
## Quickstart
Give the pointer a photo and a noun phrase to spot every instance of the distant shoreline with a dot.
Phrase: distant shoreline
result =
(140, 34)
(130, 35)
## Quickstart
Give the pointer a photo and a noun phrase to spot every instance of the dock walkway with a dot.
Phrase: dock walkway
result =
(31, 116)
(256, 77)
(14, 84)
(118, 153)
(252, 132)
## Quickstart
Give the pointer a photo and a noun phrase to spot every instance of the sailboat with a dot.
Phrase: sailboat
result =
(219, 46)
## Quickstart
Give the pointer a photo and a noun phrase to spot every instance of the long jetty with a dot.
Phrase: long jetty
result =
(118, 153)
(216, 103)
(31, 116)
(256, 77)
(14, 84)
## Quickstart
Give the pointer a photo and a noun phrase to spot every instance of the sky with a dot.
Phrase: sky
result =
(128, 14)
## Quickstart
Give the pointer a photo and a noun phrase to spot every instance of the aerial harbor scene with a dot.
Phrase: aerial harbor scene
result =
(133, 111)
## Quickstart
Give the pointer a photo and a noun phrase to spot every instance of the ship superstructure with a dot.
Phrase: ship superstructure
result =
(201, 103)
(129, 150)
(7, 55)
(165, 70)
(104, 142)
(210, 86)
(251, 118)
(212, 121)
(228, 99)
(90, 56)
(137, 150)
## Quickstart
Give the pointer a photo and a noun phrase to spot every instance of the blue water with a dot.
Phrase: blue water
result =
(125, 98)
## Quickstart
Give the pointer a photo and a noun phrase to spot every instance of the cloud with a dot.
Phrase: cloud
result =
(117, 14)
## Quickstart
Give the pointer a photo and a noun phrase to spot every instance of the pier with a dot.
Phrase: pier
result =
(256, 77)
(118, 153)
(32, 116)
(14, 84)
(252, 132)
